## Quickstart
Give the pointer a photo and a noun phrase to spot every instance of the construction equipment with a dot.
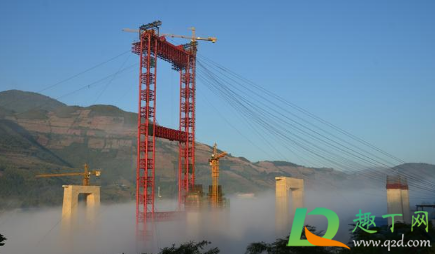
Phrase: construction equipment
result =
(86, 174)
(192, 38)
(214, 163)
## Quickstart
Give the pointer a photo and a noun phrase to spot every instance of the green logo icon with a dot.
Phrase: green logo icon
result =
(312, 239)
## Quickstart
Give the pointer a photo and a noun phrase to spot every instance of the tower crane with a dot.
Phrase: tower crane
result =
(192, 38)
(86, 174)
(214, 163)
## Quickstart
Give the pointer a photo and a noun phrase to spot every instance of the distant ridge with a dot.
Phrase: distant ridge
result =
(39, 134)
(20, 101)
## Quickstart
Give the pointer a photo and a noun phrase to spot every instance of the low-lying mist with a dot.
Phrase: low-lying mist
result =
(247, 220)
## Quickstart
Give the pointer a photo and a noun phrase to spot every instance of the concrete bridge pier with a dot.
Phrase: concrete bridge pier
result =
(398, 199)
(283, 216)
(70, 204)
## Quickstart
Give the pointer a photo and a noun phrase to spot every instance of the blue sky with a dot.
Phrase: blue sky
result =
(366, 66)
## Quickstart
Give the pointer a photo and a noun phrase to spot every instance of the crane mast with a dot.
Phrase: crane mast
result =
(214, 163)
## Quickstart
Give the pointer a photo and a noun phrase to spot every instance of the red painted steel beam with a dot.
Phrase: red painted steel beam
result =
(397, 186)
(166, 133)
(167, 216)
(170, 134)
(176, 55)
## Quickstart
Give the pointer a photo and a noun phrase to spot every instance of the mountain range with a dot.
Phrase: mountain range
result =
(39, 134)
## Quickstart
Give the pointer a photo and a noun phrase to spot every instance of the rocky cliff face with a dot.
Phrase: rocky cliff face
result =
(66, 126)
(65, 137)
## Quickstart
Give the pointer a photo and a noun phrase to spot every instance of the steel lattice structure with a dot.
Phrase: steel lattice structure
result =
(150, 47)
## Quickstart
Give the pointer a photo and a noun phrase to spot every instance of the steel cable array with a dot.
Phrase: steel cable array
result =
(305, 133)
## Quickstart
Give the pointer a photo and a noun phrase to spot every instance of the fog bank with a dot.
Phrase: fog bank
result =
(247, 220)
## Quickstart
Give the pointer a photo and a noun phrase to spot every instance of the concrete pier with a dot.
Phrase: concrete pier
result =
(398, 199)
(283, 216)
(70, 203)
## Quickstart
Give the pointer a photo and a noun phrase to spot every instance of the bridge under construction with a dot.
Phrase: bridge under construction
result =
(271, 119)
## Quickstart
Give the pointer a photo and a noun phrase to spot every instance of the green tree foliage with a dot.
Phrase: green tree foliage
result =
(280, 246)
(2, 240)
(190, 248)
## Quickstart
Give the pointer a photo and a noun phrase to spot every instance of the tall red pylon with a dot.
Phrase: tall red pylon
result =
(151, 47)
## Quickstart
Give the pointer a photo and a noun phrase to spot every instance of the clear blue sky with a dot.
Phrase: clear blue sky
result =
(366, 66)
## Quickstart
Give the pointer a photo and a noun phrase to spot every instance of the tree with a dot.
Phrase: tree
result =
(190, 248)
(2, 239)
(280, 246)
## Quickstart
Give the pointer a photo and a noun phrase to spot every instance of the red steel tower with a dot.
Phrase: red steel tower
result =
(150, 47)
